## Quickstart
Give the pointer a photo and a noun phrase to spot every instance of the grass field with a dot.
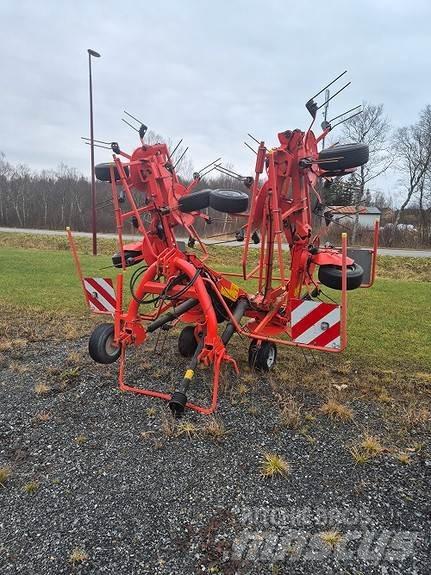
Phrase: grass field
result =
(389, 324)
(339, 433)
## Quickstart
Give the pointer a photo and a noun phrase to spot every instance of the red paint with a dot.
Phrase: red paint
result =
(279, 210)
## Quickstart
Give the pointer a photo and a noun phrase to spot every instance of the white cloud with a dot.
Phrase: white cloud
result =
(206, 71)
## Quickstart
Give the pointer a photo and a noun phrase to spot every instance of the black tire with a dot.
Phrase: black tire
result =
(194, 201)
(101, 345)
(351, 156)
(330, 276)
(187, 343)
(229, 201)
(103, 172)
(262, 357)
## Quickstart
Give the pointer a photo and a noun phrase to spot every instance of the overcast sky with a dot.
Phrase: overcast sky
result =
(205, 71)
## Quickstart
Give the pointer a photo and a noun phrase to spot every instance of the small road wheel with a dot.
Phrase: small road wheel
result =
(229, 201)
(101, 346)
(194, 201)
(331, 276)
(187, 343)
(103, 172)
(350, 156)
(262, 357)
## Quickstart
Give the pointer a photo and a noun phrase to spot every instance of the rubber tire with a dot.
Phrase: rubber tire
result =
(352, 156)
(103, 172)
(330, 276)
(187, 343)
(229, 201)
(194, 202)
(259, 357)
(98, 344)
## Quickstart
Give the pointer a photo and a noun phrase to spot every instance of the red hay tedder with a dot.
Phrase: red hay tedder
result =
(286, 308)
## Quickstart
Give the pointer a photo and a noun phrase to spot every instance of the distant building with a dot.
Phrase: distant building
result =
(368, 215)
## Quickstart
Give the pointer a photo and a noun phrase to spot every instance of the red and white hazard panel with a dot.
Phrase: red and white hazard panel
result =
(315, 323)
(100, 294)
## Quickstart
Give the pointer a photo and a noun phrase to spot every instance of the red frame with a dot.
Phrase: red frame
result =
(280, 206)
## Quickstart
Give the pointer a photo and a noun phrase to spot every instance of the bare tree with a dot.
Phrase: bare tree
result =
(373, 128)
(184, 165)
(412, 146)
(5, 173)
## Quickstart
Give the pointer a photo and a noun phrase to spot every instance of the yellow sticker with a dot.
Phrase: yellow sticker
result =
(189, 374)
(230, 292)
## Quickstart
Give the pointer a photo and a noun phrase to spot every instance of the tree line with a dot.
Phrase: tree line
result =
(407, 151)
(54, 199)
(58, 198)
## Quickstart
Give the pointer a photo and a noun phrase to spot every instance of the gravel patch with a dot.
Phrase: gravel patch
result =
(106, 474)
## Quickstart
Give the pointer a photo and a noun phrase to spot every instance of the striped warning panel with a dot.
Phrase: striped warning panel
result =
(100, 294)
(315, 323)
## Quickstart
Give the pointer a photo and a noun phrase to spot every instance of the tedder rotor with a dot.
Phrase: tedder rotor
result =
(292, 265)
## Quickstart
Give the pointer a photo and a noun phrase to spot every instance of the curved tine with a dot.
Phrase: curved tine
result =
(175, 149)
(130, 125)
(208, 165)
(333, 96)
(133, 117)
(344, 113)
(253, 138)
(345, 120)
(327, 86)
(248, 146)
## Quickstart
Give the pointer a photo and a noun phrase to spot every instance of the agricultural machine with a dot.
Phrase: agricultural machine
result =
(173, 283)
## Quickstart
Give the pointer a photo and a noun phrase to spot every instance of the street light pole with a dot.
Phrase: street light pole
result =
(325, 114)
(93, 178)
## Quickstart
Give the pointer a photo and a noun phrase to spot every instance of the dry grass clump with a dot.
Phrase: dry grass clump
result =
(336, 410)
(30, 487)
(41, 389)
(73, 358)
(9, 344)
(167, 425)
(68, 374)
(188, 428)
(77, 556)
(17, 367)
(273, 465)
(5, 473)
(215, 429)
(81, 439)
(383, 396)
(290, 413)
(415, 415)
(372, 444)
(360, 456)
(42, 417)
(331, 538)
(367, 448)
(403, 457)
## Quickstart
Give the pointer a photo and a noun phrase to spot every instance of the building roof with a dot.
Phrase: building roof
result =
(351, 210)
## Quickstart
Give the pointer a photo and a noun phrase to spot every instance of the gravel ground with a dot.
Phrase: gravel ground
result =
(108, 474)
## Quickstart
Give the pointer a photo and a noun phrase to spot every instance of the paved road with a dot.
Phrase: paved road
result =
(382, 251)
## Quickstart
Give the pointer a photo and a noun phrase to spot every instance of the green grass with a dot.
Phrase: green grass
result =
(46, 280)
(389, 324)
